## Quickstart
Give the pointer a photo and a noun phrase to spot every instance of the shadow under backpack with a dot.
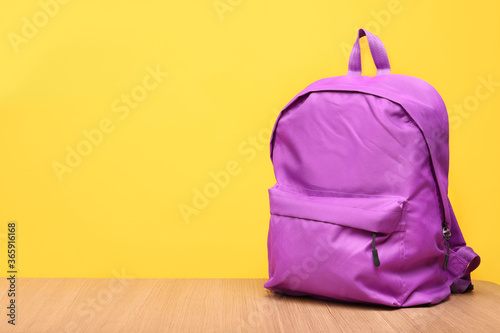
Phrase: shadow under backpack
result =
(360, 210)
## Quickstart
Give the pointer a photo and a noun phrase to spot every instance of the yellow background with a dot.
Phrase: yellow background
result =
(230, 69)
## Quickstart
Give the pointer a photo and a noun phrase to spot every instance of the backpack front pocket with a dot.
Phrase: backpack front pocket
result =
(346, 247)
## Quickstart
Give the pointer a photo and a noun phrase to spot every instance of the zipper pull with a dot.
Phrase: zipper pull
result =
(376, 260)
(446, 235)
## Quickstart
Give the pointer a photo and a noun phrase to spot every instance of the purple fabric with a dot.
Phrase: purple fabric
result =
(361, 165)
(375, 214)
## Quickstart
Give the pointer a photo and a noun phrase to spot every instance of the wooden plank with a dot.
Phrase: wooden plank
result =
(225, 305)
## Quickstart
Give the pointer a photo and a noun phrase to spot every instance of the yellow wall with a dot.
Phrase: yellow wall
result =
(221, 71)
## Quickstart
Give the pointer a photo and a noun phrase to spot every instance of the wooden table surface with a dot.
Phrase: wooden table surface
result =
(225, 305)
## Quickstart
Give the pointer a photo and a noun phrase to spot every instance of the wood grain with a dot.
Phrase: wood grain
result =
(226, 305)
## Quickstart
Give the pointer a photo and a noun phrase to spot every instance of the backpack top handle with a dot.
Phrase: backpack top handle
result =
(377, 50)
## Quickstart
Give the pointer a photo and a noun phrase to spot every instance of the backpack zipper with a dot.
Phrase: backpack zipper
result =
(376, 260)
(446, 235)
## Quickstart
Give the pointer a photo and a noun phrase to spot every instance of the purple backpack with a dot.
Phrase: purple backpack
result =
(360, 210)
